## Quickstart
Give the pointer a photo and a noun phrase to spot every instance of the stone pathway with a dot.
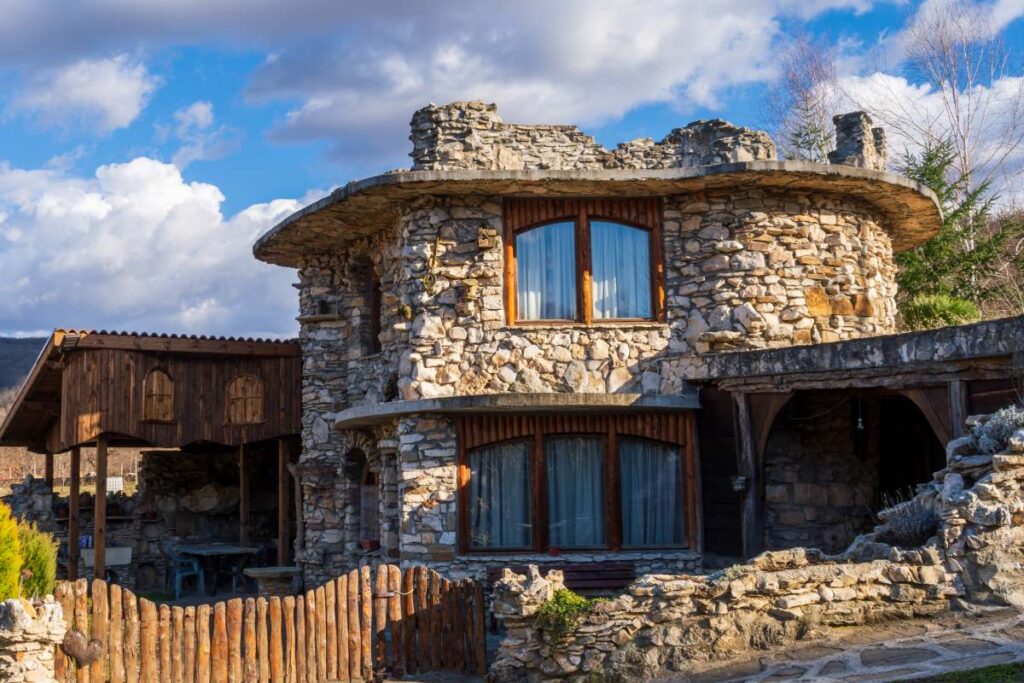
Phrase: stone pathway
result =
(886, 652)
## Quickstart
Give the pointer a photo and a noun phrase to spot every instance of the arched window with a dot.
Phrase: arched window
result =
(583, 260)
(244, 396)
(366, 494)
(158, 397)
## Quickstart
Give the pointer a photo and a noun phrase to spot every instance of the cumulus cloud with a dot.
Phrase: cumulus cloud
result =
(135, 247)
(104, 94)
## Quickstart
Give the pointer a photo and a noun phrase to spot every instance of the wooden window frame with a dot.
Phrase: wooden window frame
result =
(229, 399)
(146, 394)
(484, 430)
(644, 213)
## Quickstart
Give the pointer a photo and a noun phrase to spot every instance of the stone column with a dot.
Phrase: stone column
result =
(29, 634)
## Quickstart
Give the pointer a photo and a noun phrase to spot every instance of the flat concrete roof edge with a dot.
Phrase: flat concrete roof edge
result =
(364, 415)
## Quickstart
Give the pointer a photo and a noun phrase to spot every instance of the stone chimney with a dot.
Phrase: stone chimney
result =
(857, 143)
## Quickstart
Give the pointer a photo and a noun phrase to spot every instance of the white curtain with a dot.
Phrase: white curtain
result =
(652, 512)
(621, 264)
(546, 273)
(575, 491)
(499, 490)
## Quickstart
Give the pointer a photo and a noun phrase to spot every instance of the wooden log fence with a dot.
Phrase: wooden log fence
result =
(378, 621)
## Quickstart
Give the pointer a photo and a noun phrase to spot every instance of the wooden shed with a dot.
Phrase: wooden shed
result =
(157, 391)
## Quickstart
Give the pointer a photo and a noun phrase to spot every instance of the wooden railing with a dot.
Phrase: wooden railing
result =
(370, 622)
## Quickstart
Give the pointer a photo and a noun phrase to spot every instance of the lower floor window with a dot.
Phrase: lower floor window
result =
(546, 483)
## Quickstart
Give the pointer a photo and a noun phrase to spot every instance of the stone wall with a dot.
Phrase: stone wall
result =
(817, 495)
(29, 633)
(471, 135)
(959, 540)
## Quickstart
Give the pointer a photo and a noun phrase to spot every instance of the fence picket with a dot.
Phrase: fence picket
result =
(480, 636)
(355, 649)
(219, 655)
(321, 632)
(202, 644)
(300, 639)
(311, 616)
(235, 640)
(435, 620)
(115, 635)
(366, 621)
(409, 611)
(262, 643)
(188, 666)
(395, 620)
(98, 669)
(164, 641)
(249, 667)
(330, 615)
(444, 631)
(131, 636)
(82, 622)
(288, 605)
(276, 641)
(422, 620)
(149, 670)
(341, 598)
(177, 644)
(63, 667)
(380, 616)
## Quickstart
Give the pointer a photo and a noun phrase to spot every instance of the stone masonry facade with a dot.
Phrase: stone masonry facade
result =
(745, 268)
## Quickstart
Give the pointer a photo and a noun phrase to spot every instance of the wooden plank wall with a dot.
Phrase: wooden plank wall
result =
(372, 622)
(102, 392)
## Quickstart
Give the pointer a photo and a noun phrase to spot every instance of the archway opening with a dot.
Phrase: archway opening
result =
(835, 457)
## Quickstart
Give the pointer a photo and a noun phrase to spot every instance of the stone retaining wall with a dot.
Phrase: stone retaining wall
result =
(972, 510)
(29, 632)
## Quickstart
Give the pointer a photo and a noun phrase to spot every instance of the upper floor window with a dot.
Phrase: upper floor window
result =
(244, 400)
(158, 397)
(583, 260)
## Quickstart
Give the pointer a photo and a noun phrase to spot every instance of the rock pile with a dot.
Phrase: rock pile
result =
(28, 634)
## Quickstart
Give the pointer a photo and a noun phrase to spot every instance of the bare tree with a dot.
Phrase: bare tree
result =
(802, 100)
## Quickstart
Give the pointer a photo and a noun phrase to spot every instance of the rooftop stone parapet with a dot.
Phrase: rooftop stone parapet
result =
(471, 135)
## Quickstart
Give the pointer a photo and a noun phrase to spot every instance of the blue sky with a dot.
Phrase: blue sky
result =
(144, 144)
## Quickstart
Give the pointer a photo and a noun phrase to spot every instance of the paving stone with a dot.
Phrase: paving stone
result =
(967, 645)
(805, 653)
(729, 673)
(834, 667)
(786, 674)
(893, 656)
(879, 676)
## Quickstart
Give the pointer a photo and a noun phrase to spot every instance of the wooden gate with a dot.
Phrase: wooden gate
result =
(371, 622)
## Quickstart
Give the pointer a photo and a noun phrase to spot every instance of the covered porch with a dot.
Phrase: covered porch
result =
(216, 424)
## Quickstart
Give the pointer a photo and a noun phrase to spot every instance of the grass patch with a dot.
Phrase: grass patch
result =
(1001, 673)
(559, 616)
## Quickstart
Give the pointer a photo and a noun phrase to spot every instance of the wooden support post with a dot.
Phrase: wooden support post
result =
(300, 530)
(73, 503)
(243, 497)
(48, 471)
(750, 469)
(283, 554)
(100, 513)
(958, 407)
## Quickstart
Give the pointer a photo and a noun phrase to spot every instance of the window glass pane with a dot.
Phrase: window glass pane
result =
(575, 491)
(652, 505)
(499, 496)
(621, 264)
(546, 273)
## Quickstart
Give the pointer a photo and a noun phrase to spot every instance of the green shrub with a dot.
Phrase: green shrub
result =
(928, 311)
(559, 616)
(38, 560)
(10, 554)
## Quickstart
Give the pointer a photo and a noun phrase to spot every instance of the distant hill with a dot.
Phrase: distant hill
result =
(16, 357)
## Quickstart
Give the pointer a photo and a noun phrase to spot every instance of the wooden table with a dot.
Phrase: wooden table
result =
(218, 554)
(271, 581)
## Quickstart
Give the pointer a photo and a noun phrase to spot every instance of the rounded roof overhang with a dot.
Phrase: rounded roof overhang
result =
(364, 207)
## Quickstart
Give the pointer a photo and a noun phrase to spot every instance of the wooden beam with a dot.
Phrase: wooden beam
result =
(958, 407)
(48, 469)
(283, 527)
(300, 529)
(239, 347)
(100, 511)
(73, 503)
(749, 468)
(244, 518)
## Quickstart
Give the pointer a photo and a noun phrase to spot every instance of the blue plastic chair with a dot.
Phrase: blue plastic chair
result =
(187, 568)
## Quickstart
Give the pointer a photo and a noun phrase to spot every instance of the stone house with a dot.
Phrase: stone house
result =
(513, 351)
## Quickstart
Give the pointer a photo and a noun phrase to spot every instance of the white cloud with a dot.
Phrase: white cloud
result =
(104, 94)
(135, 247)
(200, 139)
